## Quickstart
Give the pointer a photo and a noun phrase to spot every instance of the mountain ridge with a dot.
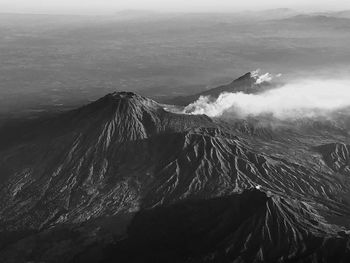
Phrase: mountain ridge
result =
(247, 83)
(88, 174)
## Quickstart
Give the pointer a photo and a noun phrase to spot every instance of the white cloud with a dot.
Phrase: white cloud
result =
(304, 98)
(261, 78)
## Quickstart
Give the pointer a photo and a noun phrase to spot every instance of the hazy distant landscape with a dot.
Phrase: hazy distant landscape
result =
(207, 135)
(55, 62)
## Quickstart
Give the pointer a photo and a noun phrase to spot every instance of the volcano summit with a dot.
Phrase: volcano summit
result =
(124, 180)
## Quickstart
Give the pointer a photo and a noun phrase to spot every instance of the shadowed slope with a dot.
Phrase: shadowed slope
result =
(72, 175)
(249, 227)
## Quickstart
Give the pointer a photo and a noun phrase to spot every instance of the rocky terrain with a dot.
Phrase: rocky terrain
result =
(124, 180)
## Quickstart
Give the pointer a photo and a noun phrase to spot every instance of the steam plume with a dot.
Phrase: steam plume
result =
(267, 77)
(305, 98)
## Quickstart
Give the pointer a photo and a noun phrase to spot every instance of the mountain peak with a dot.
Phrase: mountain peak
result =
(124, 101)
(247, 76)
(132, 115)
(124, 94)
(250, 82)
(129, 96)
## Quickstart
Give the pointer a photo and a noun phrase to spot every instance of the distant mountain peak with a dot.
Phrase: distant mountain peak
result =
(250, 82)
(246, 76)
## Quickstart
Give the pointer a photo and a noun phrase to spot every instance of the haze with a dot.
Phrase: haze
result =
(108, 6)
(59, 62)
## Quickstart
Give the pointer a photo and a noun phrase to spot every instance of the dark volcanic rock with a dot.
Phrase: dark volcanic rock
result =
(249, 227)
(71, 185)
(336, 156)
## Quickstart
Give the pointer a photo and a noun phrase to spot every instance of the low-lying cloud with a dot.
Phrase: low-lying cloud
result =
(300, 99)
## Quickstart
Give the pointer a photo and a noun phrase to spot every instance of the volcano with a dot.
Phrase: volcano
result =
(249, 83)
(124, 180)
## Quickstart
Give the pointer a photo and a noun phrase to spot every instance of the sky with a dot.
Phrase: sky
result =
(108, 6)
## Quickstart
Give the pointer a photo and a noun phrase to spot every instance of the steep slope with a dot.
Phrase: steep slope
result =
(71, 187)
(250, 227)
(81, 164)
(336, 156)
(247, 227)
